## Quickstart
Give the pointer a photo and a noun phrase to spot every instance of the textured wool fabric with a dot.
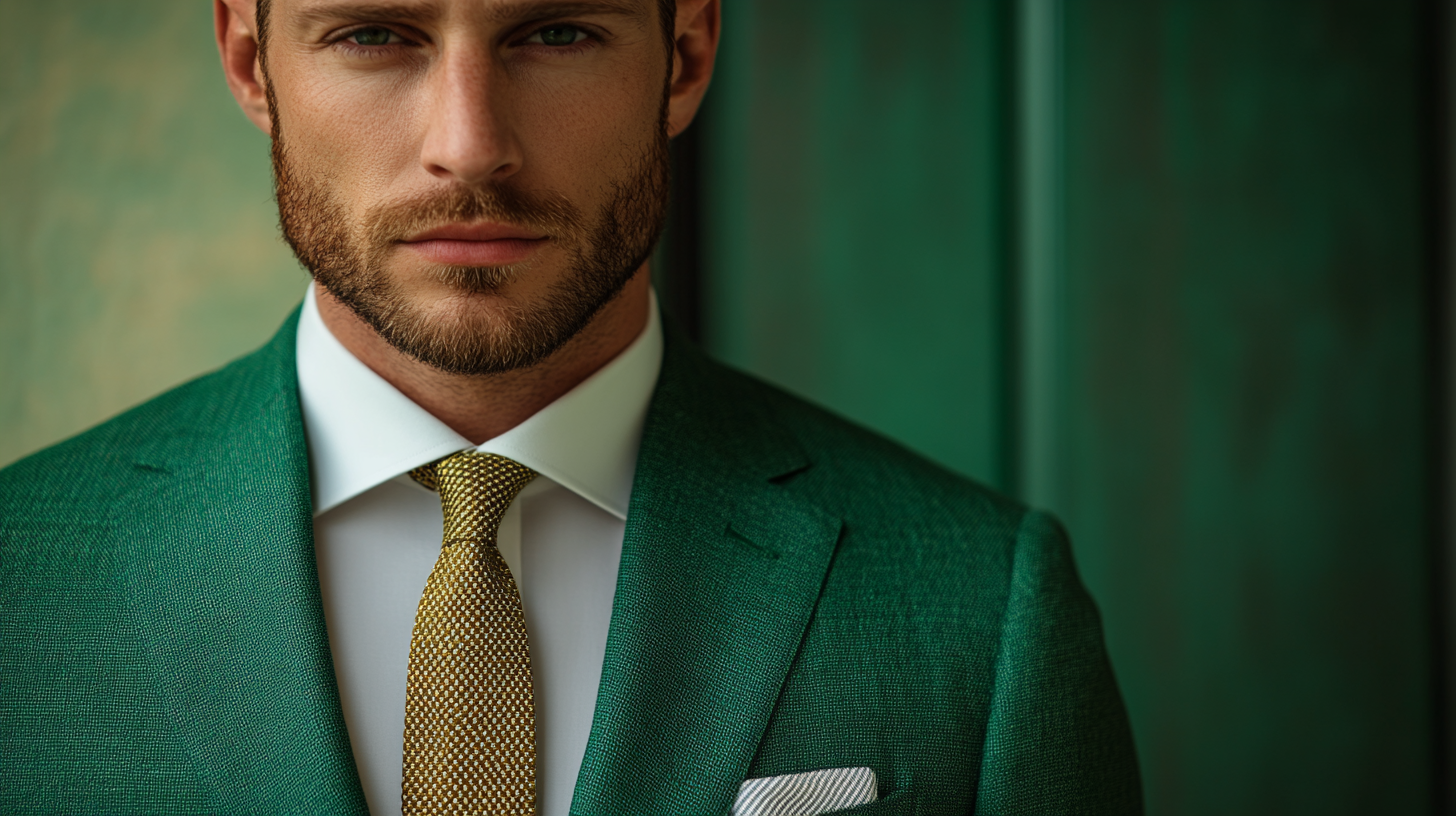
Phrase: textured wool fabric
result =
(469, 713)
(795, 593)
(162, 644)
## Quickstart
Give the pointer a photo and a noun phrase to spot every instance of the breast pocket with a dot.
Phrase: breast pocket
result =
(899, 803)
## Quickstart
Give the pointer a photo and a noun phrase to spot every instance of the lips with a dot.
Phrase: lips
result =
(476, 244)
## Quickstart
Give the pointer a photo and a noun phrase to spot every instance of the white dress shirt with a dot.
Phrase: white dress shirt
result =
(377, 534)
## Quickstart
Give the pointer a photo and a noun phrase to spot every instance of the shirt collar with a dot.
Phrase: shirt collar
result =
(363, 432)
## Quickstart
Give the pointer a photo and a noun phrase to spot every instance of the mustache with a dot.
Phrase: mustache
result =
(546, 212)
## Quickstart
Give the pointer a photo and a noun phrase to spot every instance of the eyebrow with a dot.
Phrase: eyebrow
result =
(503, 12)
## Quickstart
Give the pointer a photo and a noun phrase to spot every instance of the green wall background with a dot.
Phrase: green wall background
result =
(854, 214)
(138, 239)
(1204, 345)
(1245, 456)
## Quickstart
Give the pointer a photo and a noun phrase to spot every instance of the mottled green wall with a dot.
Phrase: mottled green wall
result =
(138, 244)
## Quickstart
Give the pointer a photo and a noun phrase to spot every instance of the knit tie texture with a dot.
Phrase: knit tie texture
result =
(469, 717)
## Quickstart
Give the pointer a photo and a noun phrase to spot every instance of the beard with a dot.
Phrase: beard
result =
(602, 254)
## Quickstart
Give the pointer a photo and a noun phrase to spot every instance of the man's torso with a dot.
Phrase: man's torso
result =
(794, 594)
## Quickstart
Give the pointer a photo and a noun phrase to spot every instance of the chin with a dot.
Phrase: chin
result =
(485, 309)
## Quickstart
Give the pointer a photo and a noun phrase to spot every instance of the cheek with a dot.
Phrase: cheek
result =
(353, 133)
(581, 132)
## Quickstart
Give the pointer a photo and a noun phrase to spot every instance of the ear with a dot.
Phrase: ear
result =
(236, 25)
(695, 45)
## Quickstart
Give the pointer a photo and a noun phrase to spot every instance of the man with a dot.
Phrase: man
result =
(664, 587)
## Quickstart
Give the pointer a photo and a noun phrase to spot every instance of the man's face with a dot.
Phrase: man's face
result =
(474, 178)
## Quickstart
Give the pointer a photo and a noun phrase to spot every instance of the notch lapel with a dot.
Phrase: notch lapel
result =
(721, 569)
(224, 591)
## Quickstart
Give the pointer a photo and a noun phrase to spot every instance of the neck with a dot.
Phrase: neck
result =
(485, 406)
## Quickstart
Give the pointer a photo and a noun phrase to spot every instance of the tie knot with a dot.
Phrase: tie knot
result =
(475, 490)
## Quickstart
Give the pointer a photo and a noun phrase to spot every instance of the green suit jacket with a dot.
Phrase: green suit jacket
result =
(795, 593)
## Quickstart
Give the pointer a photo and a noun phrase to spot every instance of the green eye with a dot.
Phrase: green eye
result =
(559, 35)
(371, 36)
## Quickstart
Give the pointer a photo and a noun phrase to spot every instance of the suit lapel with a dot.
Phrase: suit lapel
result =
(224, 591)
(721, 569)
(720, 572)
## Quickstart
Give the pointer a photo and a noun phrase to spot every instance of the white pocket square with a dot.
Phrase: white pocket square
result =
(806, 794)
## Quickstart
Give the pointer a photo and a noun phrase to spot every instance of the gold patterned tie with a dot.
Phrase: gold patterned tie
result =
(469, 715)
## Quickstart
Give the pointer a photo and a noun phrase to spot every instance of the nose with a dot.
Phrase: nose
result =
(469, 138)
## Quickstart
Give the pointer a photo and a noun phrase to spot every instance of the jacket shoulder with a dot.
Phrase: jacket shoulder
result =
(864, 473)
(102, 461)
(80, 686)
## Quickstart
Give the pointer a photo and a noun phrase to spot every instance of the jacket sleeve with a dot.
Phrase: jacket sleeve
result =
(1058, 739)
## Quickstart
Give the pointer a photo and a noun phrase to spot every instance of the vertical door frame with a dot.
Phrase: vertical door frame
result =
(1439, 67)
(1038, 273)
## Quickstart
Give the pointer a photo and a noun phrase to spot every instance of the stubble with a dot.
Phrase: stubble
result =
(602, 250)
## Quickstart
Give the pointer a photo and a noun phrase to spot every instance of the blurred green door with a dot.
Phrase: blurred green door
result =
(1245, 413)
(1161, 266)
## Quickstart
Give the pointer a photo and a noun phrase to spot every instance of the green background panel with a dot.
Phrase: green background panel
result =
(138, 239)
(1245, 445)
(853, 221)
